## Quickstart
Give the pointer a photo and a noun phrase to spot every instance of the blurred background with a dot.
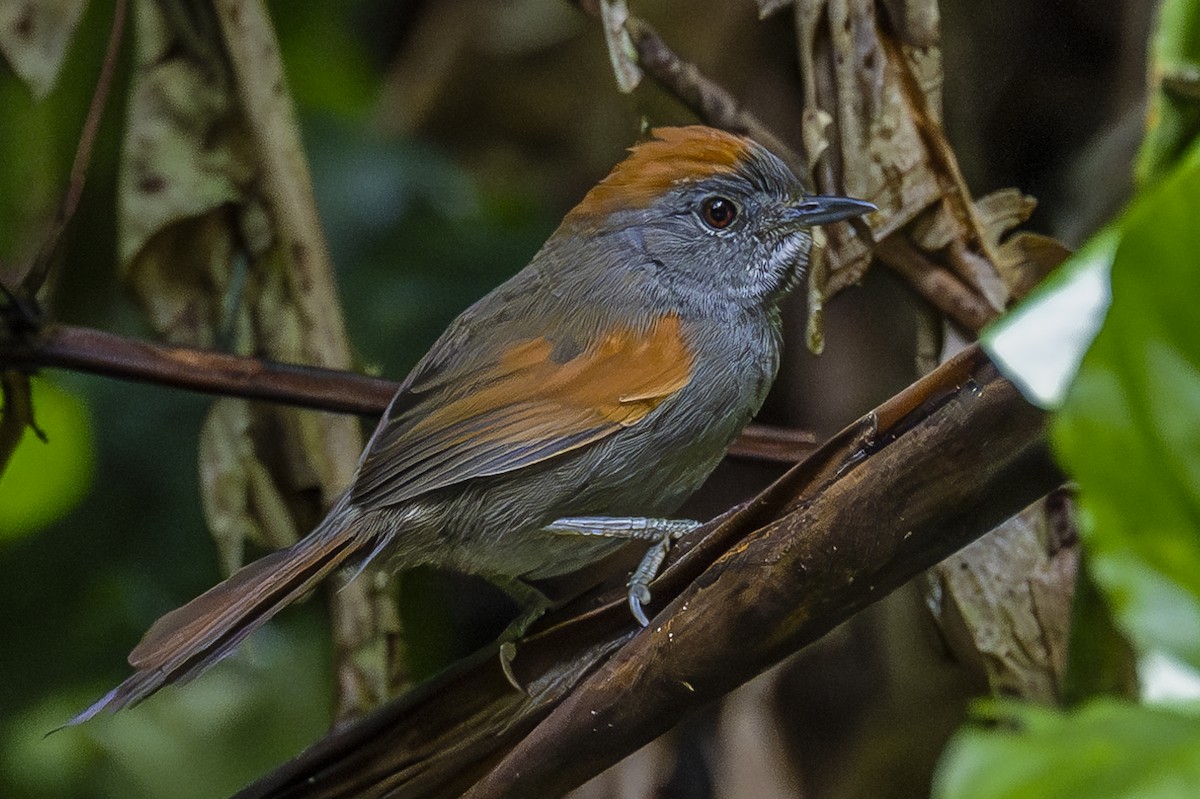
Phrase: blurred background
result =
(446, 139)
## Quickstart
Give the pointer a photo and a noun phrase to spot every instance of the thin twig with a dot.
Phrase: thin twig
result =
(52, 244)
(938, 285)
(713, 103)
(779, 444)
(96, 352)
(21, 306)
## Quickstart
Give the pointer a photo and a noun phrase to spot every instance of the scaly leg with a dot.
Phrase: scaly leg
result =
(533, 604)
(660, 532)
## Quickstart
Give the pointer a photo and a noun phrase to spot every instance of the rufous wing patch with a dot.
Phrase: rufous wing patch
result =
(523, 408)
(688, 153)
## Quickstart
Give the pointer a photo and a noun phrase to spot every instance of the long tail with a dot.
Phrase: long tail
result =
(188, 640)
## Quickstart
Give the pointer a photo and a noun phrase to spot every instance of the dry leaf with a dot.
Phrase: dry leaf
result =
(621, 51)
(241, 502)
(1025, 258)
(1001, 211)
(1005, 602)
(768, 7)
(940, 228)
(878, 85)
(877, 152)
(198, 243)
(34, 38)
(918, 22)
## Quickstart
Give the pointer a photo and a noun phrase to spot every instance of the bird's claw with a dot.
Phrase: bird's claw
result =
(508, 653)
(659, 532)
(639, 594)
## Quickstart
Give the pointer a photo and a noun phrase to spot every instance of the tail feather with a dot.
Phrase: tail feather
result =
(185, 642)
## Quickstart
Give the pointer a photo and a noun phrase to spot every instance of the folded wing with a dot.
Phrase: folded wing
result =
(528, 403)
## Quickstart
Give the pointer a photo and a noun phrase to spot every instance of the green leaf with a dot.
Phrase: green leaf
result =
(1040, 344)
(1129, 431)
(1100, 659)
(44, 480)
(1105, 749)
(1173, 118)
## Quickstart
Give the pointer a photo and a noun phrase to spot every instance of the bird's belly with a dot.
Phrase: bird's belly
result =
(494, 525)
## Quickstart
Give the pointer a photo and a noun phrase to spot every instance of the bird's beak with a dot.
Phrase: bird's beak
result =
(823, 209)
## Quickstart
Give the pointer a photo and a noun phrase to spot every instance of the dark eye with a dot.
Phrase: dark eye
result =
(717, 212)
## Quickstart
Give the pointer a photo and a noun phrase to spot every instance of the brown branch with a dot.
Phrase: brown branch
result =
(20, 312)
(52, 244)
(715, 105)
(779, 444)
(82, 349)
(85, 350)
(938, 285)
(927, 472)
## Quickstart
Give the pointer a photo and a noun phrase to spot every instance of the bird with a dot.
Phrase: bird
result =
(570, 410)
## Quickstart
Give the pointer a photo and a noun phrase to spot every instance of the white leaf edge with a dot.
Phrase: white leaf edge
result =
(1040, 343)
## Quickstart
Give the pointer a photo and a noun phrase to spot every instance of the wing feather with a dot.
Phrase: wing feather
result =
(518, 408)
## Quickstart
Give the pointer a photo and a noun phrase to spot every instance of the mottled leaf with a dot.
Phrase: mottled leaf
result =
(1005, 601)
(35, 36)
(878, 151)
(872, 128)
(185, 170)
(622, 54)
(241, 500)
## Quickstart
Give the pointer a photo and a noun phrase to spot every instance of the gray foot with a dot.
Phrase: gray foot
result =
(660, 532)
(533, 605)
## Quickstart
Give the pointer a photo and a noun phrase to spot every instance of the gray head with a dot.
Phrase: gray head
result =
(718, 215)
